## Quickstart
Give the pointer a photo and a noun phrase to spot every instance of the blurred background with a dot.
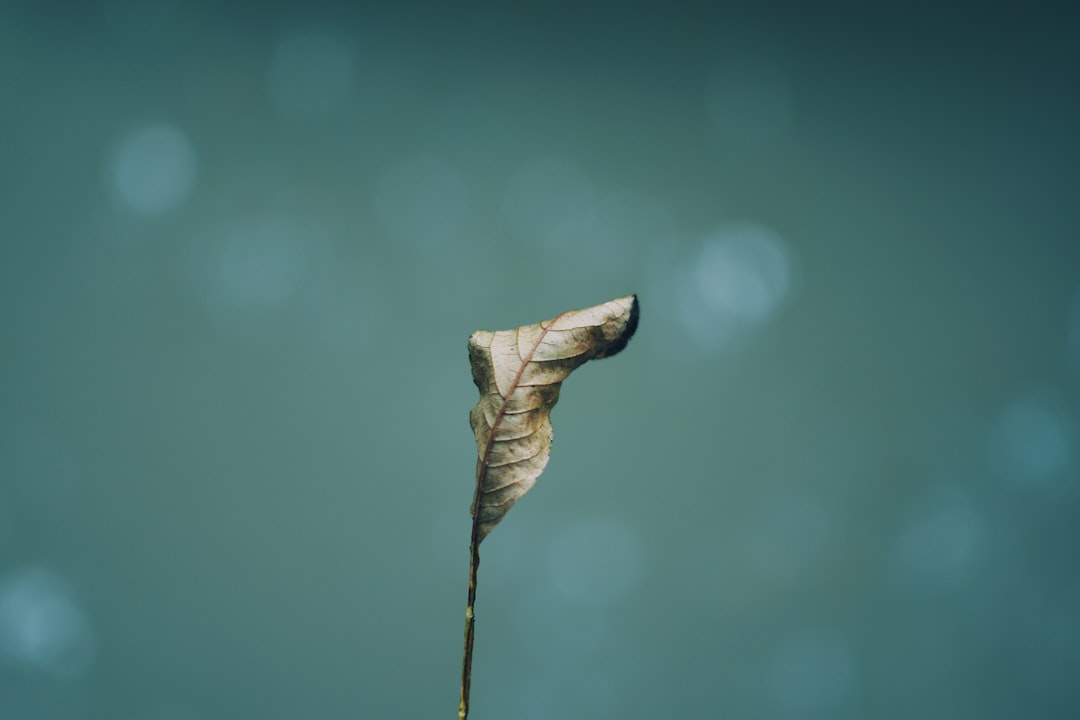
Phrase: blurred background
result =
(835, 475)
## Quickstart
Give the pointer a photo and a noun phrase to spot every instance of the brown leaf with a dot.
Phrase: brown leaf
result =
(519, 373)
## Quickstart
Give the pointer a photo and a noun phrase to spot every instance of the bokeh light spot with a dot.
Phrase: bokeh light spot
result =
(422, 202)
(594, 562)
(813, 674)
(940, 543)
(153, 169)
(749, 100)
(260, 264)
(43, 626)
(1032, 439)
(739, 278)
(310, 74)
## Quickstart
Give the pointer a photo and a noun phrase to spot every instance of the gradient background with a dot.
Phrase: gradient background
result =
(836, 475)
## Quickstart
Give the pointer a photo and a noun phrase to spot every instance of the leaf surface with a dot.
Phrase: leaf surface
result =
(519, 373)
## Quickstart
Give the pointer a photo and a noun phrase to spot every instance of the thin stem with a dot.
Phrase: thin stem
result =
(474, 543)
(470, 617)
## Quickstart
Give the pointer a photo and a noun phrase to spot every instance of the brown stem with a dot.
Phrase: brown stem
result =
(470, 617)
(474, 545)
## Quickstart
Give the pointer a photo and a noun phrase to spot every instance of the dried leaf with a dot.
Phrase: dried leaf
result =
(519, 373)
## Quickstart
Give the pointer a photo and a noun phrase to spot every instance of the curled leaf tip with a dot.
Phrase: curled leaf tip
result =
(519, 374)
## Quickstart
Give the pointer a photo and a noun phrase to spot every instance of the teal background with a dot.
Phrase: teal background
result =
(243, 245)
